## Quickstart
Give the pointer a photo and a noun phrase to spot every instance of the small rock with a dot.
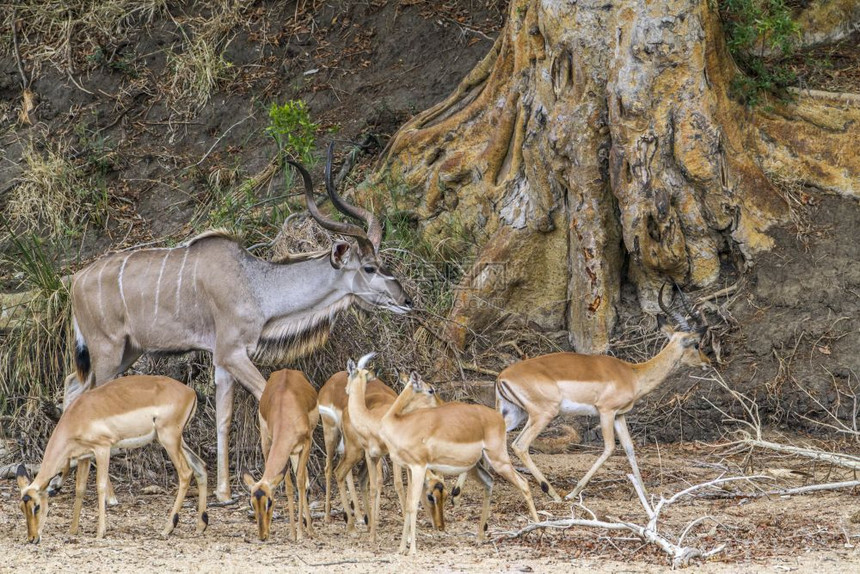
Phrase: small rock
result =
(152, 489)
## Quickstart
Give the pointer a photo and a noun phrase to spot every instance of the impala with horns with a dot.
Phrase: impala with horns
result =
(125, 413)
(288, 416)
(541, 388)
(451, 438)
(341, 435)
(211, 294)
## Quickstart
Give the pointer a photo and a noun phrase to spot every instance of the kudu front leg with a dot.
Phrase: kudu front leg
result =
(223, 418)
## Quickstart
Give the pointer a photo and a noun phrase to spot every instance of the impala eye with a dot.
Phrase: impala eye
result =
(370, 269)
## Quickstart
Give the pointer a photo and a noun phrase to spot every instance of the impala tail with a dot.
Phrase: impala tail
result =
(509, 405)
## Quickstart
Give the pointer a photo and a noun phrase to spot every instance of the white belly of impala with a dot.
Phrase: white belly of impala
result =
(449, 470)
(137, 441)
(571, 408)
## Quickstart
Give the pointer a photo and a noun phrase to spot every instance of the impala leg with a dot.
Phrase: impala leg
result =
(353, 493)
(374, 470)
(350, 457)
(523, 442)
(497, 455)
(291, 505)
(331, 436)
(486, 480)
(404, 536)
(102, 456)
(171, 440)
(397, 478)
(80, 487)
(200, 477)
(302, 486)
(458, 489)
(624, 438)
(607, 423)
(415, 489)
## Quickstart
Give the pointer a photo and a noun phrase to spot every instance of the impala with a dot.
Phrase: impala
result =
(211, 294)
(452, 438)
(288, 416)
(541, 388)
(125, 413)
(340, 435)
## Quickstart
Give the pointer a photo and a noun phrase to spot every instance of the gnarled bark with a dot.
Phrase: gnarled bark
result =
(595, 138)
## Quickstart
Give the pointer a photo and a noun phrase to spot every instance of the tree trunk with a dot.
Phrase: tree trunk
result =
(595, 139)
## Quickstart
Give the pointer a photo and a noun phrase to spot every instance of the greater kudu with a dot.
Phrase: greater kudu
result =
(211, 294)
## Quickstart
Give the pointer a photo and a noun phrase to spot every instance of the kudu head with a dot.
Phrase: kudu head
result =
(688, 336)
(362, 272)
(34, 505)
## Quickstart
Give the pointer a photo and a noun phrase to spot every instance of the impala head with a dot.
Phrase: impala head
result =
(34, 505)
(363, 273)
(436, 497)
(423, 394)
(359, 374)
(262, 501)
(688, 336)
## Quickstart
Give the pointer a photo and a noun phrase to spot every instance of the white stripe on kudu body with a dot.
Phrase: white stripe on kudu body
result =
(234, 305)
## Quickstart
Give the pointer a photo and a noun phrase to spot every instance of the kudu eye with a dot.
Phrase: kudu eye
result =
(369, 269)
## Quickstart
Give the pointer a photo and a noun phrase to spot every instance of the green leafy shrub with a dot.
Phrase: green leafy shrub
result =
(761, 36)
(291, 127)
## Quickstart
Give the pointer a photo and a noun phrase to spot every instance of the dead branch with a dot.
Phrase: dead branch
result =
(681, 555)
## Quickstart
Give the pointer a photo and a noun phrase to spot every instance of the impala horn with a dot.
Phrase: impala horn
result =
(679, 318)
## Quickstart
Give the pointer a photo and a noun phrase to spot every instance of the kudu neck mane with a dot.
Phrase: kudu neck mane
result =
(294, 330)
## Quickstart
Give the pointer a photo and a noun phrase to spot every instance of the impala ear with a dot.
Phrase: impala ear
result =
(350, 367)
(23, 477)
(415, 381)
(248, 480)
(664, 325)
(339, 253)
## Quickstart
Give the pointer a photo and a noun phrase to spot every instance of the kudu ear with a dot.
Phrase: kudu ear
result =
(23, 477)
(339, 253)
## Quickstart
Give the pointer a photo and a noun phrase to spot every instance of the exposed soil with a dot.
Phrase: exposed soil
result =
(770, 534)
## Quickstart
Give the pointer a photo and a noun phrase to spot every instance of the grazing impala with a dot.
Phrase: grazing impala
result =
(338, 430)
(570, 383)
(212, 295)
(288, 416)
(125, 413)
(450, 439)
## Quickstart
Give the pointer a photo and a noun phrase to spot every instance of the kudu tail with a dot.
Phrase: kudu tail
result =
(83, 364)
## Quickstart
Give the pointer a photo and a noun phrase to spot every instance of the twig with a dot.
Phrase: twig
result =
(25, 81)
(227, 131)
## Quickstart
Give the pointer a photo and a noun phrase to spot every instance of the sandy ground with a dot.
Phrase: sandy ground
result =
(769, 534)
